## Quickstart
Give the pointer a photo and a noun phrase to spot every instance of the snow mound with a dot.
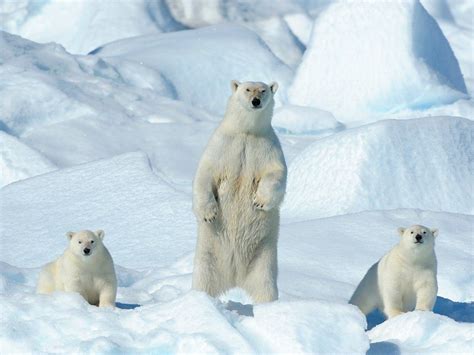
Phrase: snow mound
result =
(43, 85)
(304, 120)
(422, 332)
(201, 63)
(18, 161)
(121, 195)
(372, 58)
(81, 26)
(421, 163)
(156, 312)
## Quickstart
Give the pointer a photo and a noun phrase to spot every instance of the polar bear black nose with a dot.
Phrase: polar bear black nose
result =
(418, 237)
(87, 251)
(255, 102)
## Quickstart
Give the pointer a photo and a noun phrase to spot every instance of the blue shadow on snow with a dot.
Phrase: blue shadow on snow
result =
(126, 305)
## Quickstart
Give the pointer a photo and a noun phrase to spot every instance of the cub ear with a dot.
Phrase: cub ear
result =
(435, 232)
(274, 86)
(401, 230)
(69, 235)
(100, 233)
(234, 84)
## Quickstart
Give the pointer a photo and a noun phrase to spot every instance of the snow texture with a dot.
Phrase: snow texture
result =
(424, 163)
(372, 58)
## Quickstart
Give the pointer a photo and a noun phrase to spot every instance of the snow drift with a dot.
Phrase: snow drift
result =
(81, 26)
(371, 58)
(201, 63)
(424, 163)
(18, 161)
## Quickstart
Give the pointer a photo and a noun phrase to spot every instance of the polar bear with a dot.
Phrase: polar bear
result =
(238, 188)
(85, 267)
(403, 279)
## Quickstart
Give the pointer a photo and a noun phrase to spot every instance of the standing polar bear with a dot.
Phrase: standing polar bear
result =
(404, 279)
(86, 267)
(238, 188)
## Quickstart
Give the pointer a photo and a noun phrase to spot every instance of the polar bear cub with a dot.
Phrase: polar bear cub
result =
(238, 188)
(85, 267)
(403, 279)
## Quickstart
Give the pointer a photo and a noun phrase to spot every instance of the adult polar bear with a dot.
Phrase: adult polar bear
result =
(238, 188)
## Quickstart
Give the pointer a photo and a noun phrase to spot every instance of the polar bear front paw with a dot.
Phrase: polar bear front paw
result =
(209, 212)
(260, 204)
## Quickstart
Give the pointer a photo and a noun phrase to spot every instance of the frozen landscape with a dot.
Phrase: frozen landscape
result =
(106, 107)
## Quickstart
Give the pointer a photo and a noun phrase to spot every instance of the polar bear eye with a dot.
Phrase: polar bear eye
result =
(411, 232)
(248, 89)
(263, 91)
(424, 232)
(92, 242)
(79, 242)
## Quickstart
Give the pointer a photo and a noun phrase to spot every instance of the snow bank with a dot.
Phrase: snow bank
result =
(304, 120)
(81, 26)
(171, 319)
(18, 161)
(422, 332)
(43, 85)
(120, 195)
(422, 163)
(367, 59)
(201, 63)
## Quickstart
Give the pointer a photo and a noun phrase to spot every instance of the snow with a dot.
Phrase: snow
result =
(201, 70)
(350, 70)
(386, 165)
(82, 26)
(111, 140)
(18, 161)
(411, 332)
(305, 120)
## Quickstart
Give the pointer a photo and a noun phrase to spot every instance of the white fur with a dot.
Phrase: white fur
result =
(92, 276)
(238, 188)
(404, 279)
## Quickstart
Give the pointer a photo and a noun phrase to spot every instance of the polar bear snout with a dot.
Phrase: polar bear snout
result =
(256, 102)
(418, 239)
(87, 251)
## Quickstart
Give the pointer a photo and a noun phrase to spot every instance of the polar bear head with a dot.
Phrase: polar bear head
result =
(417, 237)
(250, 107)
(85, 243)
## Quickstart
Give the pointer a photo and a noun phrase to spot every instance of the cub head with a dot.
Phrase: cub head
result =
(253, 96)
(85, 243)
(417, 237)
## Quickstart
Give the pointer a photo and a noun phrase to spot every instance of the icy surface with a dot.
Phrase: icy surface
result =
(424, 163)
(375, 58)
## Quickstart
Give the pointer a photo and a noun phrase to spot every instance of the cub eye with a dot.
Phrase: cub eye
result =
(411, 232)
(79, 242)
(248, 89)
(263, 91)
(424, 232)
(92, 242)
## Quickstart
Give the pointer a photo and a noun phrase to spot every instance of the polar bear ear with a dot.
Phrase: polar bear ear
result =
(234, 84)
(401, 230)
(69, 235)
(100, 233)
(274, 87)
(435, 232)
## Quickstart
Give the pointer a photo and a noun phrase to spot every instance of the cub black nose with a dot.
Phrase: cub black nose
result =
(418, 237)
(87, 251)
(255, 102)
